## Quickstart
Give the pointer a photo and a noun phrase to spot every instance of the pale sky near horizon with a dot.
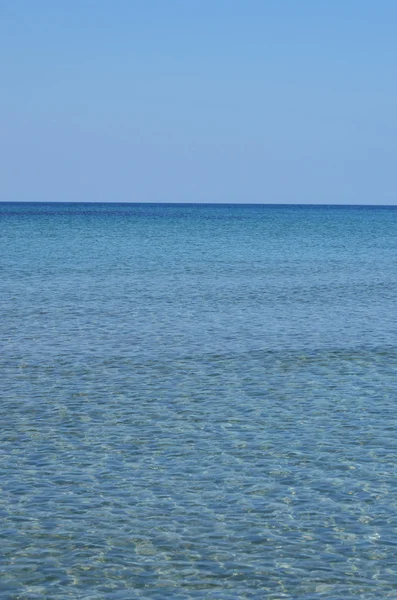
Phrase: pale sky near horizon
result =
(256, 101)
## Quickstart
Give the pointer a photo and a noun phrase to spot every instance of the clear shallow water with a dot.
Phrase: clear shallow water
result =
(198, 402)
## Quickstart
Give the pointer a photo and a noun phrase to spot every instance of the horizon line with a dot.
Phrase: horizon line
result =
(165, 203)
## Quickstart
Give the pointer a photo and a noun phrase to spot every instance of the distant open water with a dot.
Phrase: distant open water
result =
(198, 402)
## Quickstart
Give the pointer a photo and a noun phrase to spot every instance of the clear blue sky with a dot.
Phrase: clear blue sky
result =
(199, 101)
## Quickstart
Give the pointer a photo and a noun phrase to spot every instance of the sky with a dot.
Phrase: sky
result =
(247, 101)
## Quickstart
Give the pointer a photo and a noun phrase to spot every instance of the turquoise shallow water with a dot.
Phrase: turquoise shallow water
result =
(198, 402)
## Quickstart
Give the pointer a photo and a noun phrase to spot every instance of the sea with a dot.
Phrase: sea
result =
(198, 401)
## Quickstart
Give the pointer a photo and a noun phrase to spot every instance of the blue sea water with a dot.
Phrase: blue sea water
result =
(198, 401)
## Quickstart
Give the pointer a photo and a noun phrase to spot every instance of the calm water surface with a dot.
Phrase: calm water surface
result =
(198, 402)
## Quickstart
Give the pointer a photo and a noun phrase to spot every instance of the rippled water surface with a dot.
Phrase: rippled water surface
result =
(198, 402)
